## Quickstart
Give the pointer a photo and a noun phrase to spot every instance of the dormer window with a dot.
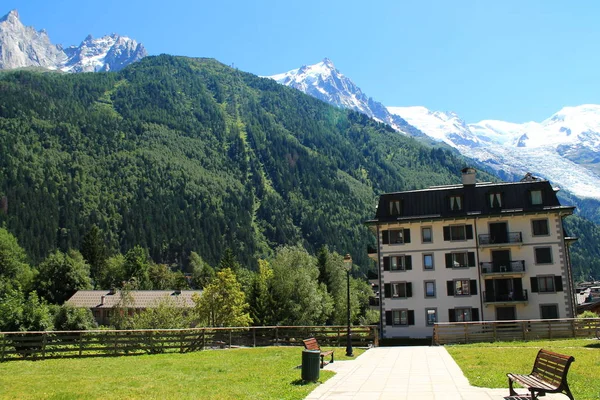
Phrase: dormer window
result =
(495, 200)
(395, 207)
(456, 203)
(536, 197)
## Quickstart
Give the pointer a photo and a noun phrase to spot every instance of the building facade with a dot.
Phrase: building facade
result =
(476, 251)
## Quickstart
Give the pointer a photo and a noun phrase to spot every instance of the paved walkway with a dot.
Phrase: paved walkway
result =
(405, 373)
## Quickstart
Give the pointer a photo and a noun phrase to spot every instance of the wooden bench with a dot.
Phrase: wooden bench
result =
(549, 375)
(312, 344)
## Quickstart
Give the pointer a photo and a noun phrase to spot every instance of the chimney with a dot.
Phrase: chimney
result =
(102, 300)
(112, 290)
(177, 292)
(468, 176)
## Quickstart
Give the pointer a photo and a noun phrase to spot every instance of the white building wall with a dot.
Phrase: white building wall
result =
(442, 302)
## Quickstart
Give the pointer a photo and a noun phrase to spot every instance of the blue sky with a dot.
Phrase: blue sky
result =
(509, 60)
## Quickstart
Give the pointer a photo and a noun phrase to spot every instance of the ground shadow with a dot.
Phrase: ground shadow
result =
(593, 345)
(300, 382)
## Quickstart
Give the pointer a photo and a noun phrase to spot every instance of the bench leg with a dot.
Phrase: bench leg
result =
(332, 358)
(511, 391)
(322, 361)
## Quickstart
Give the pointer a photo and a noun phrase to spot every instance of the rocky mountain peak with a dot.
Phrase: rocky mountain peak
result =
(22, 46)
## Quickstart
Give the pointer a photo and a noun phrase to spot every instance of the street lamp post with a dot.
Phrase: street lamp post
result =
(348, 266)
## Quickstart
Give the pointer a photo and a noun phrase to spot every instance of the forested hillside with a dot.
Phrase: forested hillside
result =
(179, 155)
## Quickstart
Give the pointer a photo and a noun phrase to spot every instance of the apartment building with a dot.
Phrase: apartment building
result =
(470, 252)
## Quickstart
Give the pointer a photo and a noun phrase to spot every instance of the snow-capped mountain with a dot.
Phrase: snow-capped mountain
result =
(326, 83)
(22, 46)
(564, 148)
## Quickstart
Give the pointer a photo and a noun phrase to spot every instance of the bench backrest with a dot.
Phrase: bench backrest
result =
(311, 344)
(551, 367)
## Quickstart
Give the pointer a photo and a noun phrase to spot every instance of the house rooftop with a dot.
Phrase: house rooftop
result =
(138, 298)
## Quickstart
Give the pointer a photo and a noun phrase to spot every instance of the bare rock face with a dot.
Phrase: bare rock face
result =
(22, 46)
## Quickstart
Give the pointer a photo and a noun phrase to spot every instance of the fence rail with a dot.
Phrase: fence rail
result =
(495, 331)
(104, 343)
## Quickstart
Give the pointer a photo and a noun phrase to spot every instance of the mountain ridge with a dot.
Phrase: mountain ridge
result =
(22, 46)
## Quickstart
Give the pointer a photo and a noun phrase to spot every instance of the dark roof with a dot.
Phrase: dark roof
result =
(138, 298)
(434, 202)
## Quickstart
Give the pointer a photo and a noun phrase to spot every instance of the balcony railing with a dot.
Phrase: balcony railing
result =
(493, 297)
(510, 237)
(374, 301)
(516, 266)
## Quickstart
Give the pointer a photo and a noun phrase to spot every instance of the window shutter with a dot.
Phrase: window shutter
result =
(450, 287)
(475, 314)
(448, 260)
(408, 262)
(407, 236)
(558, 283)
(451, 315)
(387, 289)
(471, 257)
(408, 289)
(473, 287)
(469, 231)
(411, 317)
(446, 233)
(386, 237)
(534, 284)
(388, 318)
(386, 263)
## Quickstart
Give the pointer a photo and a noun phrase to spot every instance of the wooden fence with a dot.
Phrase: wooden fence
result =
(103, 343)
(495, 331)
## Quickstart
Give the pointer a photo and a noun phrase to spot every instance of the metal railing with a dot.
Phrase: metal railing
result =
(106, 343)
(494, 297)
(510, 237)
(517, 266)
(495, 331)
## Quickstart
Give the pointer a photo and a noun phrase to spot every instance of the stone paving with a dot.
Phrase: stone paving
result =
(405, 373)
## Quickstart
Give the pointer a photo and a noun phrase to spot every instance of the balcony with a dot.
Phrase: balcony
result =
(495, 240)
(372, 252)
(516, 297)
(511, 267)
(374, 301)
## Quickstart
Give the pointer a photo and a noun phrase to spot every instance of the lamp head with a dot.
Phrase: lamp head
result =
(348, 262)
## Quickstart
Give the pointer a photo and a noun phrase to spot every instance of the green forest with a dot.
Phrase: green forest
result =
(174, 157)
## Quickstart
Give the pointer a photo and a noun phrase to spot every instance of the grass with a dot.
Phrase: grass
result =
(258, 373)
(486, 364)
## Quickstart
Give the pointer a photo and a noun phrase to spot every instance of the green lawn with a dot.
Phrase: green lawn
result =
(486, 364)
(259, 373)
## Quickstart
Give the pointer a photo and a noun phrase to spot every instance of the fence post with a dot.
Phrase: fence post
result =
(276, 336)
(115, 343)
(253, 336)
(203, 339)
(573, 328)
(3, 347)
(376, 336)
(524, 330)
(44, 338)
(230, 330)
(495, 332)
(81, 343)
(338, 336)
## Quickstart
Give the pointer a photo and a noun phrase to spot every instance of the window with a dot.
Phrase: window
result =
(545, 284)
(543, 255)
(456, 203)
(430, 316)
(400, 289)
(536, 197)
(396, 236)
(458, 232)
(400, 317)
(426, 235)
(460, 260)
(461, 287)
(463, 314)
(428, 262)
(495, 200)
(395, 207)
(539, 227)
(429, 288)
(549, 311)
(397, 290)
(397, 263)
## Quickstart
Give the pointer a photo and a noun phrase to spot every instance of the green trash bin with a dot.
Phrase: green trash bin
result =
(311, 365)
